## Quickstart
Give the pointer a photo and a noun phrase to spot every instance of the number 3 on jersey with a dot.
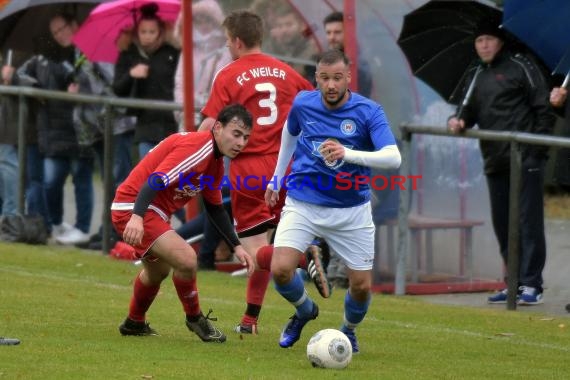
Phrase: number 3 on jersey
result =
(268, 102)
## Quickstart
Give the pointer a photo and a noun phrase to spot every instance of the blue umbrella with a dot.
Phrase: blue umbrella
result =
(542, 25)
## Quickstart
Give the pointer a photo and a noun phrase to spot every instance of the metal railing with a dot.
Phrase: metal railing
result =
(516, 139)
(110, 103)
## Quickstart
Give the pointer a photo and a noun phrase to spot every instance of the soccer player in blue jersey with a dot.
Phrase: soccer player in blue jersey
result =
(335, 137)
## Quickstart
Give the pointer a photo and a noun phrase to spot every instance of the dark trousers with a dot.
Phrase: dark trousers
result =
(532, 239)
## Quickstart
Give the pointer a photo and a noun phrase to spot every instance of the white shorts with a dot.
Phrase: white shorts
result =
(349, 232)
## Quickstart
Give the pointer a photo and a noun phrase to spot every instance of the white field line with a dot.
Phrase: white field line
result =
(369, 319)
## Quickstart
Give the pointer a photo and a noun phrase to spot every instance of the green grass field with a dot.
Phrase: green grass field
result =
(65, 306)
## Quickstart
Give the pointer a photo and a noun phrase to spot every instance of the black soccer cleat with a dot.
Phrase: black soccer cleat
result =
(205, 329)
(316, 268)
(135, 328)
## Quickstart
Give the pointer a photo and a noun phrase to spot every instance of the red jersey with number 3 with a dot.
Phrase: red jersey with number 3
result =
(266, 87)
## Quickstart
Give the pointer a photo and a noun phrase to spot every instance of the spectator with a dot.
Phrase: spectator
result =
(8, 148)
(97, 79)
(511, 94)
(57, 139)
(209, 53)
(268, 10)
(295, 40)
(146, 71)
(35, 204)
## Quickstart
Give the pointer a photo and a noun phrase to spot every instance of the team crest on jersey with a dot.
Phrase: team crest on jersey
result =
(348, 127)
(330, 164)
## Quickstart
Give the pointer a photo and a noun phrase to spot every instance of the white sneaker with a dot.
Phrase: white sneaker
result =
(73, 237)
(60, 229)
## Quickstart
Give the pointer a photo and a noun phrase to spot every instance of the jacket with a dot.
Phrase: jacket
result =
(152, 125)
(510, 94)
(56, 134)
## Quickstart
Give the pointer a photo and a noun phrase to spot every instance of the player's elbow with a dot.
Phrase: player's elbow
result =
(393, 157)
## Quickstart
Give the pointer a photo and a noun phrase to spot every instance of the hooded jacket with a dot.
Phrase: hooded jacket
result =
(510, 94)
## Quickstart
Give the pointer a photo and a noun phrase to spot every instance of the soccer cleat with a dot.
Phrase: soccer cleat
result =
(246, 329)
(9, 341)
(316, 270)
(292, 331)
(530, 296)
(352, 337)
(134, 328)
(205, 329)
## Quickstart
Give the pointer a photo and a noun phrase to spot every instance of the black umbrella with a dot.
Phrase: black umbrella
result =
(437, 39)
(24, 24)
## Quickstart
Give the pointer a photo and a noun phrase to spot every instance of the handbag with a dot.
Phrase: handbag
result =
(23, 229)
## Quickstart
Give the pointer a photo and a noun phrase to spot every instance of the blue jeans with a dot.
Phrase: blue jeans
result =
(122, 159)
(56, 170)
(35, 192)
(8, 179)
(144, 148)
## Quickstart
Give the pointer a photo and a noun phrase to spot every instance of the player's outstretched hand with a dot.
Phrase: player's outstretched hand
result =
(245, 259)
(271, 197)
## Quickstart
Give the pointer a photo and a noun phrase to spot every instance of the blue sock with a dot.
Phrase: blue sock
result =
(354, 312)
(295, 293)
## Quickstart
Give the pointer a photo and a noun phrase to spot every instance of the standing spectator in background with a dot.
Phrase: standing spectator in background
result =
(8, 148)
(96, 78)
(57, 139)
(146, 71)
(266, 87)
(209, 53)
(295, 40)
(268, 10)
(328, 132)
(511, 94)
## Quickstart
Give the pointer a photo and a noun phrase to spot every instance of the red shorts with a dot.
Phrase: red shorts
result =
(154, 227)
(248, 176)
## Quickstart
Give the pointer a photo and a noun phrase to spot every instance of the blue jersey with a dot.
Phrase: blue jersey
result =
(360, 124)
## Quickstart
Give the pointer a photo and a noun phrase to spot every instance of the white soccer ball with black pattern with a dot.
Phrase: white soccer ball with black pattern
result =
(329, 348)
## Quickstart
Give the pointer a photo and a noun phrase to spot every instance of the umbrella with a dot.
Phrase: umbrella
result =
(97, 35)
(437, 39)
(543, 27)
(24, 24)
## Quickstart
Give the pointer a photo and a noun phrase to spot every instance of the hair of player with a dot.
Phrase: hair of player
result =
(228, 113)
(245, 25)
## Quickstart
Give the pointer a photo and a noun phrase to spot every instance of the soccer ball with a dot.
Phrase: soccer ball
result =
(329, 348)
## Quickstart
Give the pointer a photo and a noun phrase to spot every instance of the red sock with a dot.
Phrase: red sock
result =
(141, 300)
(263, 256)
(257, 285)
(188, 295)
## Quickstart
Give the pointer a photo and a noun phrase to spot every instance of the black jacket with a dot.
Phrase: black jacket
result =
(152, 125)
(510, 94)
(56, 134)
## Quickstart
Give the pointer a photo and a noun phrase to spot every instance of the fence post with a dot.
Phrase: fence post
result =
(403, 210)
(22, 120)
(514, 226)
(108, 177)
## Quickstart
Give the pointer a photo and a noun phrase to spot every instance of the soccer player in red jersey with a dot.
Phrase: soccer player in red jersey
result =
(266, 87)
(176, 170)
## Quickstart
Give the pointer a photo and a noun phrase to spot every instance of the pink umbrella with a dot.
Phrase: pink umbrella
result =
(97, 36)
